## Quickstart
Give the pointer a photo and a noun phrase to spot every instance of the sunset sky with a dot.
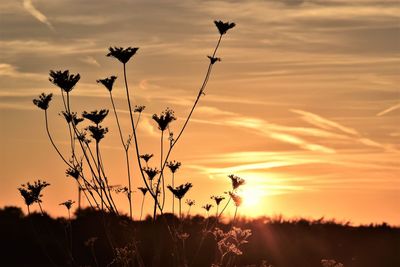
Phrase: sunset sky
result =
(305, 104)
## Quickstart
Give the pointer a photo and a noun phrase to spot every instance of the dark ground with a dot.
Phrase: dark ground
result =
(38, 240)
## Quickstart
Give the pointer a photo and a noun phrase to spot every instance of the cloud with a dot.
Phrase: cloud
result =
(12, 71)
(323, 123)
(28, 5)
(91, 61)
(389, 109)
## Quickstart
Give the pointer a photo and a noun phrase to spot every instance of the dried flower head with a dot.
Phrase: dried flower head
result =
(165, 118)
(180, 191)
(122, 54)
(96, 116)
(236, 199)
(217, 199)
(146, 157)
(143, 190)
(223, 27)
(190, 202)
(43, 101)
(81, 136)
(64, 80)
(139, 109)
(71, 117)
(236, 181)
(151, 172)
(213, 59)
(207, 207)
(97, 132)
(108, 82)
(74, 172)
(32, 192)
(173, 165)
(67, 204)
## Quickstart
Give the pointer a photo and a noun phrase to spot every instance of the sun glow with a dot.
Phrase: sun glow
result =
(252, 197)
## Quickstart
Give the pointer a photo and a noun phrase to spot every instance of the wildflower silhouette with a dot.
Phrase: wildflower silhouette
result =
(217, 200)
(190, 202)
(64, 80)
(165, 118)
(122, 54)
(151, 172)
(108, 82)
(207, 207)
(173, 166)
(213, 59)
(74, 172)
(97, 132)
(238, 200)
(236, 181)
(67, 204)
(71, 117)
(146, 157)
(96, 116)
(144, 192)
(139, 109)
(179, 192)
(223, 27)
(43, 101)
(33, 192)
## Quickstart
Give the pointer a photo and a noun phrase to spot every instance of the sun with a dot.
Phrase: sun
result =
(251, 198)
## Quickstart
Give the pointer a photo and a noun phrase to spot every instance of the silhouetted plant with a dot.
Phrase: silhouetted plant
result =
(96, 116)
(179, 192)
(43, 101)
(108, 82)
(33, 192)
(87, 155)
(122, 54)
(223, 27)
(64, 80)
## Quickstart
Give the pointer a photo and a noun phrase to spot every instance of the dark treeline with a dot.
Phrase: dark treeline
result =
(39, 240)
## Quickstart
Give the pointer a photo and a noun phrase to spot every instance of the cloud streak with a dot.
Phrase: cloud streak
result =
(28, 5)
(389, 109)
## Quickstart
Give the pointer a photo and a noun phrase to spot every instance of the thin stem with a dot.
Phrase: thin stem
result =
(141, 209)
(41, 210)
(51, 139)
(135, 138)
(180, 209)
(173, 197)
(200, 93)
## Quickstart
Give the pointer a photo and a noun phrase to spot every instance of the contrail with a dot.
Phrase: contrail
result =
(390, 109)
(28, 5)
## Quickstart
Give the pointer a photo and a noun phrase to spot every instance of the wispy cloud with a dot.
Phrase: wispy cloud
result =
(389, 109)
(323, 123)
(28, 5)
(90, 61)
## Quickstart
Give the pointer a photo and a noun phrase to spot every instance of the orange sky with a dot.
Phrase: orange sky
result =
(305, 104)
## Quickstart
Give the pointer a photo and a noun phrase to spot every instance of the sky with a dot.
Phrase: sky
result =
(304, 105)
